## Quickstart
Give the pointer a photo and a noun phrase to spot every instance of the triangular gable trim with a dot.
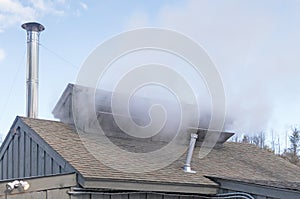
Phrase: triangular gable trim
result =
(23, 147)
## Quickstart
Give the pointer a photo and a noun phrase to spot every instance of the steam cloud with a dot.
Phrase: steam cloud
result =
(254, 48)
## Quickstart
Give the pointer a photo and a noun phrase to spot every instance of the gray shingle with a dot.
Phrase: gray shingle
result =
(238, 161)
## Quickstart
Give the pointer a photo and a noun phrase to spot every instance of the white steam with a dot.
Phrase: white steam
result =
(255, 47)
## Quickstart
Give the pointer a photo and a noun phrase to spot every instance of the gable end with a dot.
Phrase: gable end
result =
(25, 154)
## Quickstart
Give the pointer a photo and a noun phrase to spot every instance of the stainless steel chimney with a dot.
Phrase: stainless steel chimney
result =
(32, 75)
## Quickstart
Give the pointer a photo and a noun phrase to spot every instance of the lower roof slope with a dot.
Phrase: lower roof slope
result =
(238, 161)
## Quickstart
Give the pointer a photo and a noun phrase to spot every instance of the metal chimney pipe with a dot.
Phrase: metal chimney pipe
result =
(32, 75)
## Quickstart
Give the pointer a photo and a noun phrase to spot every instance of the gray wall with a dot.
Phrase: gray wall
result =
(63, 194)
(47, 194)
(22, 155)
(100, 195)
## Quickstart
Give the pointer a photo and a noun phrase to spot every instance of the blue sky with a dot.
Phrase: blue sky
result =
(254, 44)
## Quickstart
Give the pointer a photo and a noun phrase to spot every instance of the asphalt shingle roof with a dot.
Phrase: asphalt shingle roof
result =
(238, 161)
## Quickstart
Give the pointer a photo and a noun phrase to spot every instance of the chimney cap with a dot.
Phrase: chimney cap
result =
(33, 26)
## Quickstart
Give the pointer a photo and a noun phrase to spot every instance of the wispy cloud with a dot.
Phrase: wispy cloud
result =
(78, 10)
(45, 7)
(14, 12)
(83, 6)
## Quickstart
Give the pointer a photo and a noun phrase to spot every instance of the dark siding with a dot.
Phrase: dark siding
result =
(38, 195)
(48, 164)
(100, 196)
(58, 194)
(55, 168)
(134, 196)
(4, 168)
(21, 154)
(41, 161)
(25, 157)
(34, 158)
(154, 196)
(138, 196)
(171, 197)
(63, 194)
(10, 161)
(15, 155)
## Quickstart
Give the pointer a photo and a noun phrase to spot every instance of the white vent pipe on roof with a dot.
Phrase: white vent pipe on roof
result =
(187, 165)
(33, 31)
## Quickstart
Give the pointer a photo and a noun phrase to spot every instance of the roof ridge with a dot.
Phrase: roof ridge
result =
(40, 119)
